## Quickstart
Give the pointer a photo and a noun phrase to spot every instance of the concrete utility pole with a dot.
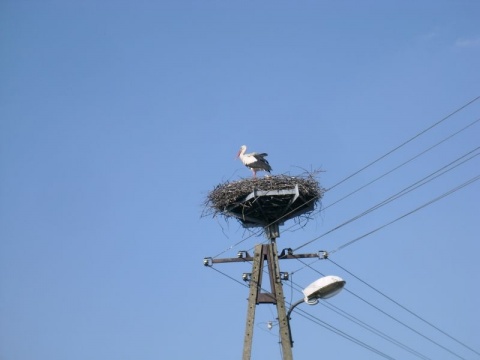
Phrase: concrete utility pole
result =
(265, 253)
(256, 296)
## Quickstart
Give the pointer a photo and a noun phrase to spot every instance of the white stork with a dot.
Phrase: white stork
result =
(254, 161)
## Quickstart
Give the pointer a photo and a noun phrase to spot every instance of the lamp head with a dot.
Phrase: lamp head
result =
(323, 288)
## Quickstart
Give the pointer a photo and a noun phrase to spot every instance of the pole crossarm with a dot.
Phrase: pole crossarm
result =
(245, 257)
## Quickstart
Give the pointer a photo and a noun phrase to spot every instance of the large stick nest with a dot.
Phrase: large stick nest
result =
(267, 200)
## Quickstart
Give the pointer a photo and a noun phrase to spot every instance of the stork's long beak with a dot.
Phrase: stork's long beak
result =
(238, 154)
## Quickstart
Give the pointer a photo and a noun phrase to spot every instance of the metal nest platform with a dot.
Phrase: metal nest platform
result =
(265, 202)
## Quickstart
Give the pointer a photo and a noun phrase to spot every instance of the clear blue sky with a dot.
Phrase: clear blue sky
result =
(118, 117)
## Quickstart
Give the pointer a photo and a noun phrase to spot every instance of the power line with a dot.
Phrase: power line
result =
(425, 180)
(343, 334)
(393, 318)
(401, 145)
(402, 164)
(441, 171)
(405, 325)
(370, 328)
(403, 192)
(405, 143)
(405, 308)
(472, 180)
(239, 242)
(228, 276)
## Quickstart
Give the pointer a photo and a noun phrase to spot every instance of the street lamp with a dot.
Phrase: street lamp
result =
(322, 288)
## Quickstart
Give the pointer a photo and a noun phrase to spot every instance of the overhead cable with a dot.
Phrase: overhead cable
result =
(373, 330)
(403, 192)
(343, 334)
(405, 325)
(469, 182)
(405, 308)
(368, 327)
(401, 165)
(395, 319)
(404, 143)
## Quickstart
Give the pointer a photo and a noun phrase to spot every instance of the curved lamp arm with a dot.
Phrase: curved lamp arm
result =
(294, 305)
(322, 288)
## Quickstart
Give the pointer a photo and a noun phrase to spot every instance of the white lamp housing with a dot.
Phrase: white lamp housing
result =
(323, 288)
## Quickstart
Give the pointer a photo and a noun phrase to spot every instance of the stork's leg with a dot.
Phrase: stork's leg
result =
(254, 173)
